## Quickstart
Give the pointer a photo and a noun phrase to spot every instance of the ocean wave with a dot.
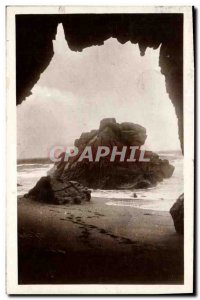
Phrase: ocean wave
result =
(160, 197)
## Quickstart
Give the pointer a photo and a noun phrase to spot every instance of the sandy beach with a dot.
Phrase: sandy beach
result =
(97, 243)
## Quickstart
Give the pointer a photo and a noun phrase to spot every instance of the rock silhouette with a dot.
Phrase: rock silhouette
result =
(55, 191)
(104, 174)
(177, 213)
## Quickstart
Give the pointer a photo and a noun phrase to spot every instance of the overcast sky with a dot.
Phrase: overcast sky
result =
(78, 89)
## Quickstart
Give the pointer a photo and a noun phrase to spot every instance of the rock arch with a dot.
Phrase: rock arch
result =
(34, 46)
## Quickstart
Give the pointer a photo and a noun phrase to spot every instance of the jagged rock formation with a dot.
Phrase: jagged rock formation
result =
(117, 174)
(177, 213)
(54, 191)
(34, 46)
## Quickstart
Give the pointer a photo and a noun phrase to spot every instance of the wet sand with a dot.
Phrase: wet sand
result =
(97, 243)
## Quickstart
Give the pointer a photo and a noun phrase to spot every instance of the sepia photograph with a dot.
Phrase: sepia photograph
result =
(100, 108)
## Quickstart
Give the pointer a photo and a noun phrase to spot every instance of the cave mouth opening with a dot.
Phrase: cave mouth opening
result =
(78, 89)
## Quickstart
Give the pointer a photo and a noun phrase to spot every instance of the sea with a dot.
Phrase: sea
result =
(159, 198)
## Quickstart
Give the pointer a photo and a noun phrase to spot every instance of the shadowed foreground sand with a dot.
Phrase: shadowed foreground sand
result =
(97, 243)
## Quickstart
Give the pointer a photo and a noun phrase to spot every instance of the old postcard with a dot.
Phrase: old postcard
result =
(100, 149)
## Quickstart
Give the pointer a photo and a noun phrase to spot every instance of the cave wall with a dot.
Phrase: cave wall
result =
(34, 46)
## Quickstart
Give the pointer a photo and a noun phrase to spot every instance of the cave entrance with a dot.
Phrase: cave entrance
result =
(78, 89)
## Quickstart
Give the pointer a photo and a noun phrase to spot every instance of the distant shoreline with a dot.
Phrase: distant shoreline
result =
(44, 160)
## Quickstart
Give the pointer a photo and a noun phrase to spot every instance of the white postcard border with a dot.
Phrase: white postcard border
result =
(11, 260)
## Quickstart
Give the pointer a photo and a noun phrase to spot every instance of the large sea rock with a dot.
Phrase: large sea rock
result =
(113, 175)
(51, 190)
(177, 213)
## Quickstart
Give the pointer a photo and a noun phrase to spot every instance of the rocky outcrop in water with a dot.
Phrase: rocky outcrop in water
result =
(51, 190)
(104, 174)
(110, 133)
(177, 213)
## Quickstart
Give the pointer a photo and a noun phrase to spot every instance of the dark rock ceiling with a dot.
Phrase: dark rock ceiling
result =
(34, 46)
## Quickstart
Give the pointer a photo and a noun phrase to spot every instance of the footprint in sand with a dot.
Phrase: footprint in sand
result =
(84, 235)
(99, 215)
(75, 222)
(103, 231)
(85, 232)
(92, 226)
(114, 236)
(127, 241)
(54, 210)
